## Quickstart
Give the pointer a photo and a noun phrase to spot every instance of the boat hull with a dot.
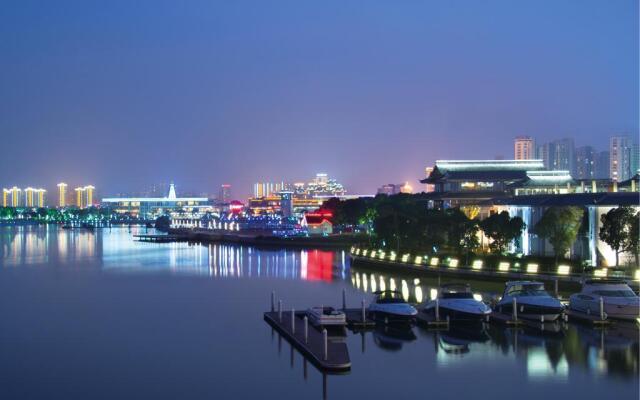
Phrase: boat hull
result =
(532, 311)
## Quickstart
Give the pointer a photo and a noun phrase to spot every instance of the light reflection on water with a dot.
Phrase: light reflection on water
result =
(540, 358)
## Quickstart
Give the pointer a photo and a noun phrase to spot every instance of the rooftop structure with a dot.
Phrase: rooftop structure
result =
(152, 207)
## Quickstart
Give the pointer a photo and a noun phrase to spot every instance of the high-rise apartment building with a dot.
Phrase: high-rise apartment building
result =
(620, 158)
(62, 194)
(558, 155)
(11, 197)
(523, 148)
(585, 162)
(84, 196)
(601, 165)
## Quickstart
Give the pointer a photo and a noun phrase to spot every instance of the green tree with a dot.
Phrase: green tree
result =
(633, 242)
(560, 226)
(616, 229)
(502, 229)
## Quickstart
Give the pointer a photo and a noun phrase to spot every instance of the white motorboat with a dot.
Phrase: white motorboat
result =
(618, 300)
(533, 302)
(326, 316)
(391, 306)
(456, 302)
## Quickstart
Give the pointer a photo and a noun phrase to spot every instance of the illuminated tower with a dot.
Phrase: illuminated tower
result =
(62, 194)
(40, 197)
(88, 190)
(79, 197)
(225, 193)
(15, 196)
(29, 197)
(5, 197)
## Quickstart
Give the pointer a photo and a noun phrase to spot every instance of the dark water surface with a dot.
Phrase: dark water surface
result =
(93, 314)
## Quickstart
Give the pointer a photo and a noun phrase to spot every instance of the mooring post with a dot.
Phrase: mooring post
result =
(601, 309)
(437, 310)
(273, 301)
(364, 314)
(515, 309)
(344, 299)
(324, 340)
(306, 329)
(280, 310)
(555, 286)
(541, 319)
(448, 321)
(293, 321)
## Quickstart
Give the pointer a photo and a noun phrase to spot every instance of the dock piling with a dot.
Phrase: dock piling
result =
(515, 309)
(273, 301)
(364, 313)
(326, 345)
(293, 321)
(344, 299)
(280, 310)
(555, 287)
(602, 316)
(437, 310)
(306, 329)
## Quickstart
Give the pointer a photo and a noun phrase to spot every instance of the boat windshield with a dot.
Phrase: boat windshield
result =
(615, 293)
(457, 295)
(527, 290)
(390, 297)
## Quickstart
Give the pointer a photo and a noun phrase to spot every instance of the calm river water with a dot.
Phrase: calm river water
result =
(94, 314)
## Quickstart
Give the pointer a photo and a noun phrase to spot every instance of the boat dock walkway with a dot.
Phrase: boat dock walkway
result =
(160, 238)
(326, 354)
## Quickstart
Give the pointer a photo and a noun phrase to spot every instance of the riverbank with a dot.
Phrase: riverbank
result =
(564, 276)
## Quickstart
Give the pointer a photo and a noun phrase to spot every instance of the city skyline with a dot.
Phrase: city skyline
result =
(252, 93)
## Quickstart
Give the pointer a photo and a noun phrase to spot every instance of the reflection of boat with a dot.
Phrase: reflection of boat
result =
(533, 302)
(67, 226)
(456, 302)
(393, 337)
(326, 316)
(391, 306)
(619, 301)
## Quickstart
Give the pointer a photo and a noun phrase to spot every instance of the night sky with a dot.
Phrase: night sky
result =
(124, 94)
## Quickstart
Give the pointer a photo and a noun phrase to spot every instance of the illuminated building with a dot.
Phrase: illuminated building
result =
(428, 188)
(474, 182)
(5, 197)
(588, 247)
(322, 185)
(84, 196)
(62, 194)
(523, 148)
(318, 223)
(40, 197)
(286, 203)
(152, 207)
(390, 188)
(225, 193)
(620, 158)
(406, 188)
(14, 193)
(585, 162)
(80, 203)
(267, 189)
(89, 195)
(29, 197)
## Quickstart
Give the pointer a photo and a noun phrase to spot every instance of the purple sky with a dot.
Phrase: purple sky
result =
(123, 94)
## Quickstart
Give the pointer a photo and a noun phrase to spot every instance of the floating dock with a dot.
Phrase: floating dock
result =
(160, 238)
(310, 342)
(593, 319)
(430, 321)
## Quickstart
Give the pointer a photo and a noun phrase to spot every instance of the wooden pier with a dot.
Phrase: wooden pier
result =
(326, 354)
(160, 238)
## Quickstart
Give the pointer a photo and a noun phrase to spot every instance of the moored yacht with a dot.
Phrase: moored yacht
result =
(326, 316)
(533, 302)
(456, 302)
(391, 306)
(618, 300)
